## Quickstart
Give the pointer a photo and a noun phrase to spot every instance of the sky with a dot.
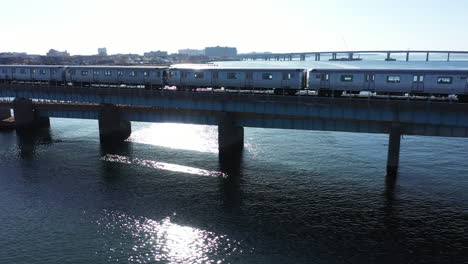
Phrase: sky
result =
(138, 26)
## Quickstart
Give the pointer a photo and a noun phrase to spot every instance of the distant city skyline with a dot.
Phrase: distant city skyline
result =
(141, 26)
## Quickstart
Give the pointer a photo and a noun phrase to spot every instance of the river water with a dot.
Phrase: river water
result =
(293, 197)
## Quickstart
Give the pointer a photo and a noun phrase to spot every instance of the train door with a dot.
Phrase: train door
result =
(287, 76)
(325, 81)
(369, 82)
(248, 79)
(418, 83)
(184, 77)
(214, 79)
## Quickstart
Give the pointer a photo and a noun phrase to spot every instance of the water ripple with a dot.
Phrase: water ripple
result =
(162, 241)
(162, 166)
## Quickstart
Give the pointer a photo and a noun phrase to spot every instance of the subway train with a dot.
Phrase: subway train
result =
(324, 82)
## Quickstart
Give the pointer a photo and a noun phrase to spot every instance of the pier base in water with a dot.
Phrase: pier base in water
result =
(112, 129)
(393, 150)
(230, 136)
(26, 116)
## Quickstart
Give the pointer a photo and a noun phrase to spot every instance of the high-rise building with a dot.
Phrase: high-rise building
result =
(220, 51)
(192, 52)
(102, 52)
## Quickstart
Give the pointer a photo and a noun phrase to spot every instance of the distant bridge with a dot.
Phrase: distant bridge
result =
(231, 112)
(348, 55)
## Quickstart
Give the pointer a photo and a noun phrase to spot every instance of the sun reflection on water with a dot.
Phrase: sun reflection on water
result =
(162, 165)
(164, 241)
(179, 136)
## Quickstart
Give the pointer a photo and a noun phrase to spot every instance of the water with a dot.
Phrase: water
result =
(293, 197)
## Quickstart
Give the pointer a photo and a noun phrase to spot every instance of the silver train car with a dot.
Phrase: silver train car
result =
(150, 77)
(33, 74)
(287, 81)
(392, 82)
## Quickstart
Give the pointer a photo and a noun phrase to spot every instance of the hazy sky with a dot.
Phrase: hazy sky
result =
(136, 26)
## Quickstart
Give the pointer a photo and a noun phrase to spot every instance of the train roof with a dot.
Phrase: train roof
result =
(237, 68)
(114, 67)
(455, 71)
(32, 66)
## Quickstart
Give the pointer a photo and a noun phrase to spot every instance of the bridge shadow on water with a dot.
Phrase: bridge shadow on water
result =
(230, 185)
(29, 141)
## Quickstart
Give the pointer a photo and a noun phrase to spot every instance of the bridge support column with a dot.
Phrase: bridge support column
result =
(333, 56)
(111, 126)
(393, 150)
(388, 56)
(303, 57)
(26, 116)
(350, 55)
(230, 136)
(407, 56)
(448, 56)
(427, 56)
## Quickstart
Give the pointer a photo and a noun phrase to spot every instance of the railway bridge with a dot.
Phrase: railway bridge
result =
(115, 108)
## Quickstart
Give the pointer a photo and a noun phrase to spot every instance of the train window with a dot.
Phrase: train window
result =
(232, 75)
(23, 71)
(53, 72)
(393, 79)
(84, 73)
(444, 80)
(42, 72)
(120, 73)
(158, 74)
(249, 76)
(33, 71)
(370, 77)
(96, 73)
(199, 75)
(146, 74)
(107, 73)
(418, 78)
(184, 74)
(324, 77)
(346, 78)
(215, 75)
(172, 74)
(267, 76)
(133, 74)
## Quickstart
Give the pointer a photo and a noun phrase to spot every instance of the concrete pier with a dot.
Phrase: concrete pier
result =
(427, 56)
(230, 136)
(25, 115)
(393, 150)
(407, 56)
(112, 129)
